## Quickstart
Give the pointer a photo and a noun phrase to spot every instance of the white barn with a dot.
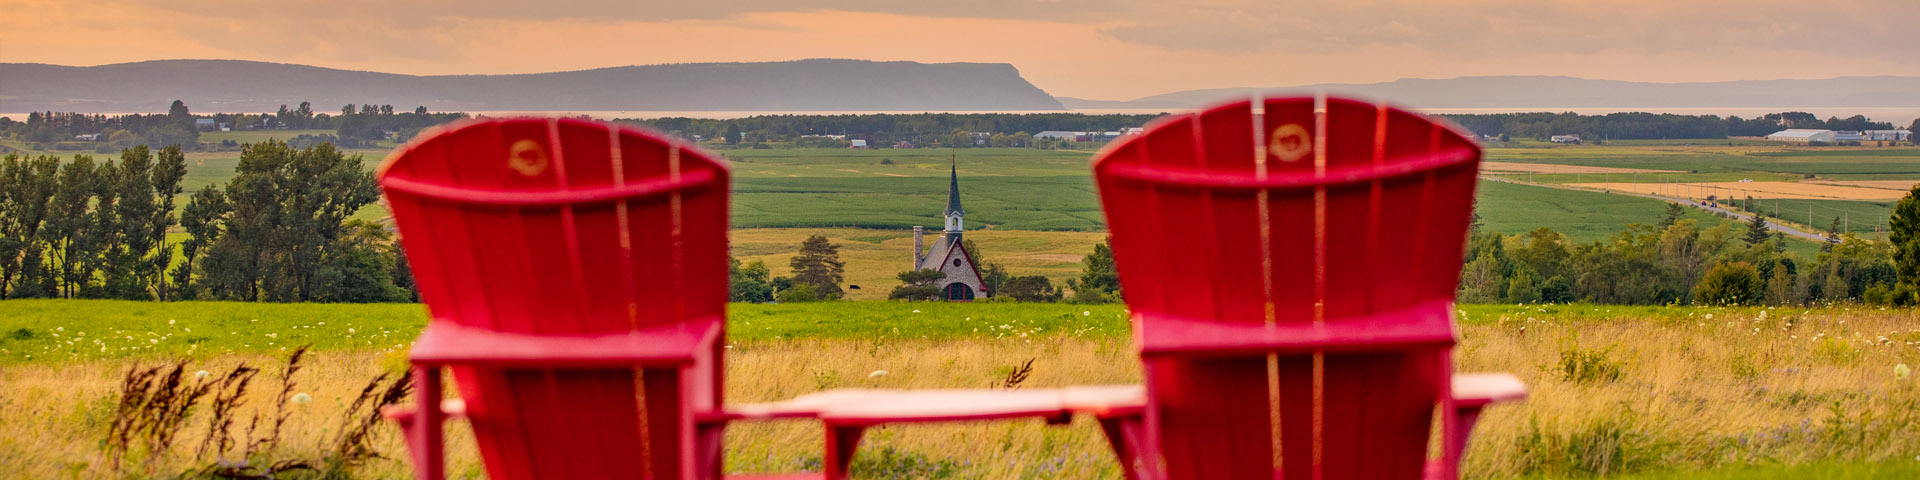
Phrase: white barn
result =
(1802, 135)
(1886, 135)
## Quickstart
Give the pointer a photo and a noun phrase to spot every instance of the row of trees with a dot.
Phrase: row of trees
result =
(353, 126)
(278, 231)
(922, 129)
(1680, 262)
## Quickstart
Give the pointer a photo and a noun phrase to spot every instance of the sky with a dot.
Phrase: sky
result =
(1098, 49)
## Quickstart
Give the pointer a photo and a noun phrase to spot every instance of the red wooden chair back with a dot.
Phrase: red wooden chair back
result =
(1290, 266)
(562, 227)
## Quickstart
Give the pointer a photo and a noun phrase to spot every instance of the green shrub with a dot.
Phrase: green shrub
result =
(1585, 366)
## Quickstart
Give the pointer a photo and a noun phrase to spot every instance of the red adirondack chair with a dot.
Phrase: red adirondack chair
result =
(576, 276)
(1290, 266)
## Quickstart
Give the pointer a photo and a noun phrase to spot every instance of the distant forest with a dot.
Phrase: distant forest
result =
(359, 126)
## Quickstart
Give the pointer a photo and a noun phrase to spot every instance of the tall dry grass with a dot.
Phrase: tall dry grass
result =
(1609, 397)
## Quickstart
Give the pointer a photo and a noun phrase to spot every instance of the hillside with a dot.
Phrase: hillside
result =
(245, 86)
(1565, 92)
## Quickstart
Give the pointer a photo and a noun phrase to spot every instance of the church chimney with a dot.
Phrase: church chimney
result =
(918, 232)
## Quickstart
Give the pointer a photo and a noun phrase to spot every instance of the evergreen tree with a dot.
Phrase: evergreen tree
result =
(1099, 281)
(918, 285)
(818, 265)
(1905, 236)
(1833, 236)
(1757, 230)
(1674, 212)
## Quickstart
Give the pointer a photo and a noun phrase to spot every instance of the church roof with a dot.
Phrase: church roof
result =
(953, 194)
(936, 255)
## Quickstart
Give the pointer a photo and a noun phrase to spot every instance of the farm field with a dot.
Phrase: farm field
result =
(1767, 190)
(1654, 392)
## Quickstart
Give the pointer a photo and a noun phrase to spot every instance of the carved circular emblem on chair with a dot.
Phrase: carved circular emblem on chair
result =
(527, 157)
(1290, 142)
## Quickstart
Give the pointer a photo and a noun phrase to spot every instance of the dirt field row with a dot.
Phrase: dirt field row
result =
(1511, 167)
(1901, 185)
(1781, 190)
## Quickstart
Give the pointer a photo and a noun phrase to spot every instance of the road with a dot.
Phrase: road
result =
(1745, 217)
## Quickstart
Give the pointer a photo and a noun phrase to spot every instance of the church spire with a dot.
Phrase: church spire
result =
(953, 192)
(954, 212)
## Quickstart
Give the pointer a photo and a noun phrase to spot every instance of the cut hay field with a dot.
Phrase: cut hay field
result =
(1645, 392)
(1769, 190)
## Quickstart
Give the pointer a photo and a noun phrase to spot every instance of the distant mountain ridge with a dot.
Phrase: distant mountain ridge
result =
(1548, 92)
(247, 86)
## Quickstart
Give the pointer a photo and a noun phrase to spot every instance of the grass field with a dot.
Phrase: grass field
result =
(1646, 392)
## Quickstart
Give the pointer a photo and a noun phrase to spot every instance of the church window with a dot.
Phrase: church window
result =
(956, 262)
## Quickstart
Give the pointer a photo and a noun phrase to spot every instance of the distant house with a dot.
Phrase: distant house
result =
(1803, 135)
(87, 137)
(205, 124)
(903, 144)
(1847, 136)
(860, 144)
(1059, 134)
(1886, 135)
(1575, 138)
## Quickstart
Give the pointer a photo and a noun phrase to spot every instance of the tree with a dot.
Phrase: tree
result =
(732, 136)
(1757, 232)
(358, 267)
(1033, 288)
(1905, 236)
(918, 285)
(1099, 282)
(750, 283)
(1674, 212)
(992, 276)
(798, 293)
(27, 189)
(201, 219)
(1736, 283)
(1833, 236)
(287, 212)
(68, 227)
(178, 112)
(818, 265)
(165, 180)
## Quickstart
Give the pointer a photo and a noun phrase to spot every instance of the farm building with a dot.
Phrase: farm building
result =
(948, 255)
(1059, 134)
(1565, 138)
(1886, 135)
(861, 144)
(1802, 135)
(1847, 136)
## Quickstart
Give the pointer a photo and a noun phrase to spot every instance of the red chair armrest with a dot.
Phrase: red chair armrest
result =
(445, 343)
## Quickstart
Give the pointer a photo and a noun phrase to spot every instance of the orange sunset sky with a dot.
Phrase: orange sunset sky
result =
(1108, 49)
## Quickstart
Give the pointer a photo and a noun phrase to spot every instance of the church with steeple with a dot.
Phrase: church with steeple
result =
(948, 254)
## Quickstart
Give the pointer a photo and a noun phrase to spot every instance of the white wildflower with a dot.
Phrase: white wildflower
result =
(1086, 313)
(1901, 371)
(200, 375)
(877, 374)
(301, 399)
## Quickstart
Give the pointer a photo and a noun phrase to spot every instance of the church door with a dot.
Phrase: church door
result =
(959, 291)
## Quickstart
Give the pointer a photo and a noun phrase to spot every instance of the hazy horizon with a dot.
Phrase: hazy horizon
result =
(1108, 50)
